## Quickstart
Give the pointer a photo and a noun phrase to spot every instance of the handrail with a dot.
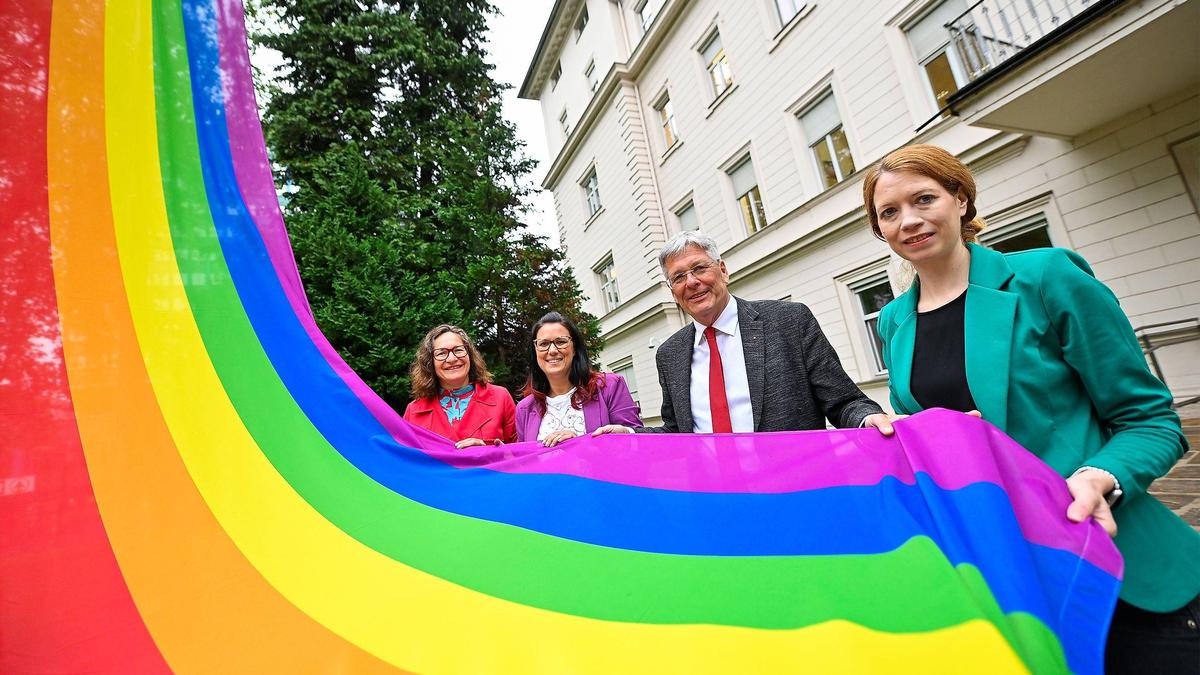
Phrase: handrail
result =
(1145, 338)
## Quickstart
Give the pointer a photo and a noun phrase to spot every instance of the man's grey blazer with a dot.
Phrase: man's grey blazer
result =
(796, 380)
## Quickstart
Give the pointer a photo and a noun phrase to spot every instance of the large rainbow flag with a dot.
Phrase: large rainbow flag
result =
(192, 480)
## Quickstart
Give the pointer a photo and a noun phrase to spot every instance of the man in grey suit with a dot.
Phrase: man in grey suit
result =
(746, 365)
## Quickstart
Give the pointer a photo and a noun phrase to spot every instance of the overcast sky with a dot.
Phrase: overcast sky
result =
(512, 38)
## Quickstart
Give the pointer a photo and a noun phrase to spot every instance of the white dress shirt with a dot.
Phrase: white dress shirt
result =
(733, 365)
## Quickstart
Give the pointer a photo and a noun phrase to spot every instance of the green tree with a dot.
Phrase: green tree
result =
(406, 210)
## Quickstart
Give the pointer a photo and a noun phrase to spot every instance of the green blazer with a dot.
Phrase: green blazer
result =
(1052, 361)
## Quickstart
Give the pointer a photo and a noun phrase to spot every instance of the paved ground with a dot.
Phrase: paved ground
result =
(1180, 489)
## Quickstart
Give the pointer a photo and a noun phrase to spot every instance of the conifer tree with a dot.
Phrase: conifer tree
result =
(406, 210)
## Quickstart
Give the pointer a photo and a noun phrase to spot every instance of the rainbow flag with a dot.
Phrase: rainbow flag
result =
(192, 480)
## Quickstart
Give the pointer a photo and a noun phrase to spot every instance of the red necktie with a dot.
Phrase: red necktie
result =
(717, 403)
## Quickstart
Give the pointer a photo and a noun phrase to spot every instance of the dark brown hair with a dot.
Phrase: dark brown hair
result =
(586, 379)
(932, 162)
(424, 378)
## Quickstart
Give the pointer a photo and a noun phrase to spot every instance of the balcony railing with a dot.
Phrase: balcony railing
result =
(991, 32)
(1153, 337)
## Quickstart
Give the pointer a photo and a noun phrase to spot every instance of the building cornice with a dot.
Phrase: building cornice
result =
(604, 93)
(993, 149)
(626, 311)
(652, 312)
(553, 36)
(620, 72)
(837, 228)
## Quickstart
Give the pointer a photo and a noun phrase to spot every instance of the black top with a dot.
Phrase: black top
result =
(939, 365)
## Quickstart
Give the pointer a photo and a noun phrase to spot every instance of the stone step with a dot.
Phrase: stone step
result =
(1180, 488)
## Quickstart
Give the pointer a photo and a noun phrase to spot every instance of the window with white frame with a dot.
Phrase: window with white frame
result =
(581, 22)
(646, 11)
(788, 9)
(564, 123)
(591, 191)
(556, 76)
(606, 277)
(688, 220)
(1029, 232)
(624, 368)
(590, 74)
(720, 76)
(666, 120)
(823, 130)
(745, 188)
(941, 65)
(872, 294)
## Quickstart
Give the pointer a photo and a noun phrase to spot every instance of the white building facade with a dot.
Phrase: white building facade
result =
(754, 120)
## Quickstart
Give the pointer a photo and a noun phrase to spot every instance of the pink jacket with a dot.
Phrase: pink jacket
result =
(613, 405)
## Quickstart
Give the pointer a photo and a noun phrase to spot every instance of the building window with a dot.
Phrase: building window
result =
(823, 129)
(788, 9)
(625, 370)
(745, 187)
(591, 192)
(562, 121)
(1027, 233)
(556, 76)
(606, 276)
(646, 11)
(666, 119)
(688, 220)
(941, 65)
(590, 74)
(872, 294)
(717, 64)
(581, 23)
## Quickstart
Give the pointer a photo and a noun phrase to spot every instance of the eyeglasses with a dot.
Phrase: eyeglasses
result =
(443, 354)
(560, 342)
(699, 271)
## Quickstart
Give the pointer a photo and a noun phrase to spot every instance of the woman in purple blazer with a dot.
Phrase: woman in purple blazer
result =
(564, 396)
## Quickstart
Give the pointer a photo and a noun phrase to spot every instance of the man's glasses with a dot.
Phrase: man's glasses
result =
(443, 354)
(544, 345)
(699, 271)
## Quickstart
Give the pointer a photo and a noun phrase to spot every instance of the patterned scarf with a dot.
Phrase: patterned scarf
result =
(454, 403)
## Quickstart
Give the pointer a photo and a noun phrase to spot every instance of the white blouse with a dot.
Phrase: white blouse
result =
(560, 415)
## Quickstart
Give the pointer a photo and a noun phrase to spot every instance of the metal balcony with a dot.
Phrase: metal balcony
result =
(1061, 67)
(991, 32)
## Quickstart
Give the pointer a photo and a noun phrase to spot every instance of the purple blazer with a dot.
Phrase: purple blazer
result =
(614, 405)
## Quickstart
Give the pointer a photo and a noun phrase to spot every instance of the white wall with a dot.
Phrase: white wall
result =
(1114, 194)
(601, 40)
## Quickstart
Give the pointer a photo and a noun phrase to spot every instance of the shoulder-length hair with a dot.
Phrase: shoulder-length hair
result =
(932, 162)
(424, 378)
(587, 380)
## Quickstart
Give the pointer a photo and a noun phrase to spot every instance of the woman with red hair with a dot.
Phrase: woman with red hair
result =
(1034, 342)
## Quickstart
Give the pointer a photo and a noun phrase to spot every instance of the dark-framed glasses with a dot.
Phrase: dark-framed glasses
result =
(544, 345)
(443, 354)
(699, 270)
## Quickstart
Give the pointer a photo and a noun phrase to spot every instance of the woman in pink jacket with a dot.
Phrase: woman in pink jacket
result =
(564, 396)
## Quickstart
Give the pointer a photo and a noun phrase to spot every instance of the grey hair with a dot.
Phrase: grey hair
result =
(682, 242)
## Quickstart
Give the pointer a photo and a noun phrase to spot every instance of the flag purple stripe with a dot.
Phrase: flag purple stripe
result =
(253, 170)
(743, 463)
(733, 463)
